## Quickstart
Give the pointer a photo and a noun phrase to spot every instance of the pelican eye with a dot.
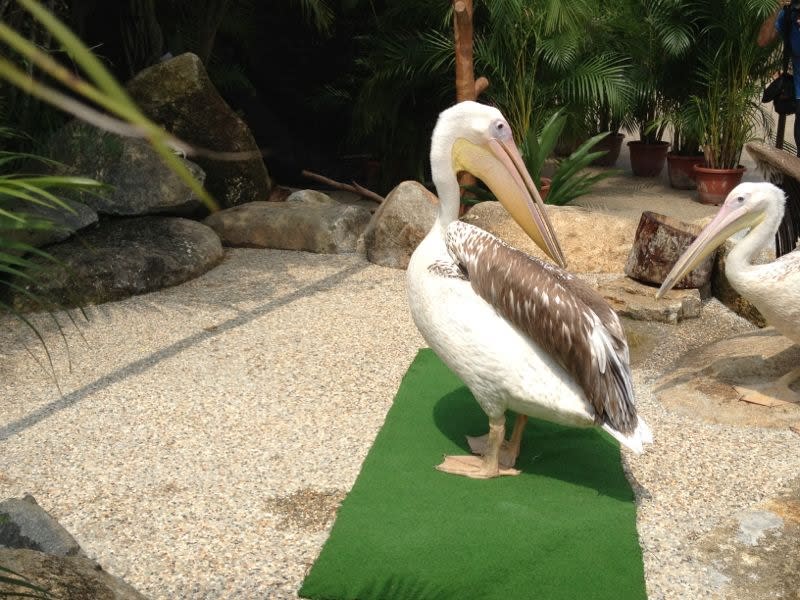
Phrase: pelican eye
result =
(740, 199)
(501, 128)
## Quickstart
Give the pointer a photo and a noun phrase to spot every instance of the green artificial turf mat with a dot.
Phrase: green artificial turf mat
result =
(564, 528)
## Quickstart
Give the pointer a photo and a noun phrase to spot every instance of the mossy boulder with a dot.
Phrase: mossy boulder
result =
(179, 95)
(120, 258)
(139, 182)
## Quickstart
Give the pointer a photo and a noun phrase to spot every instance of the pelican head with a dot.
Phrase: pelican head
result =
(747, 205)
(477, 138)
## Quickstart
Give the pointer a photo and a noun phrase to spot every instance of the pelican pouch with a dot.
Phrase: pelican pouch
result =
(780, 91)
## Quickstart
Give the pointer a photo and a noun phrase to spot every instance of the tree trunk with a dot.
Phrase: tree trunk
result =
(660, 240)
(466, 86)
(465, 75)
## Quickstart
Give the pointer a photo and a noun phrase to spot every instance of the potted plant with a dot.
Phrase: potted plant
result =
(605, 118)
(679, 86)
(685, 148)
(733, 76)
(661, 36)
(569, 180)
(648, 153)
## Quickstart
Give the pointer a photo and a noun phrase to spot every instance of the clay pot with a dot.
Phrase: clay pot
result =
(713, 185)
(647, 160)
(545, 188)
(612, 143)
(681, 170)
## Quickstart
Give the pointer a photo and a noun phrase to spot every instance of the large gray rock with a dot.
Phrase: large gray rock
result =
(25, 524)
(64, 577)
(64, 223)
(400, 224)
(121, 258)
(139, 181)
(179, 95)
(311, 225)
(593, 241)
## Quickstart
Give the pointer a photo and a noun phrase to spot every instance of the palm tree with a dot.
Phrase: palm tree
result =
(660, 34)
(535, 53)
(539, 56)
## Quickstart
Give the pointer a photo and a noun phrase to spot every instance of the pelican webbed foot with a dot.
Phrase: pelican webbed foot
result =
(475, 467)
(776, 393)
(486, 466)
(509, 449)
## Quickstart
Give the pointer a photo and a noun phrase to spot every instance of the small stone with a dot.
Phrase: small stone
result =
(634, 300)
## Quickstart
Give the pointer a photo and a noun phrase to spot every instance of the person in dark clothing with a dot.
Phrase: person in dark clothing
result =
(770, 30)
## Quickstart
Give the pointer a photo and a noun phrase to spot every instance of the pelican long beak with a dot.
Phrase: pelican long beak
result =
(729, 220)
(500, 166)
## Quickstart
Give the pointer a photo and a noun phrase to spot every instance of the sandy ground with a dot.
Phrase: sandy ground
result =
(205, 434)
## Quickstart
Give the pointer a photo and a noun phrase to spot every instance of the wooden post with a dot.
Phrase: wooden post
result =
(466, 86)
(465, 75)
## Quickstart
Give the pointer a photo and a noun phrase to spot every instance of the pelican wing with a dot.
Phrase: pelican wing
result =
(557, 311)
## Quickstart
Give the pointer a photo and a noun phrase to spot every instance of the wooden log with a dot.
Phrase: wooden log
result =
(660, 240)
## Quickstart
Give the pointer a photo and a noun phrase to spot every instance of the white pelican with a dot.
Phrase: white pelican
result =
(520, 333)
(774, 288)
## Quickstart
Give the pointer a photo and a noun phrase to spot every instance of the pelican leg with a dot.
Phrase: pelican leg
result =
(488, 465)
(509, 450)
(776, 393)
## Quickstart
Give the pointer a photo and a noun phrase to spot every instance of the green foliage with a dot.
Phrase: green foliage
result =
(539, 55)
(570, 179)
(317, 13)
(536, 54)
(732, 72)
(35, 192)
(23, 112)
(122, 116)
(659, 36)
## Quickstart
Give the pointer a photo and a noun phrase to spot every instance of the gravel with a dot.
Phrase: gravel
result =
(205, 434)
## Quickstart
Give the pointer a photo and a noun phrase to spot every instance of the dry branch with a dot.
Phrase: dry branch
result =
(347, 187)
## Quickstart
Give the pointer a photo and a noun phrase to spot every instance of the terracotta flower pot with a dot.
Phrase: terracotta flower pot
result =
(681, 170)
(713, 185)
(545, 189)
(612, 143)
(647, 160)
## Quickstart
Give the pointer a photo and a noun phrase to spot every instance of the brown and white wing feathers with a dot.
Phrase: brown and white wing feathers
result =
(560, 313)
